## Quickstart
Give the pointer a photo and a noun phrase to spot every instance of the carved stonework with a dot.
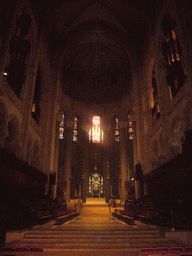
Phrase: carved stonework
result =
(172, 52)
(19, 49)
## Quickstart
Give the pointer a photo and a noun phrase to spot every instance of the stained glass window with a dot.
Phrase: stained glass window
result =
(96, 130)
(102, 135)
(75, 129)
(130, 128)
(96, 134)
(96, 185)
(89, 135)
(61, 128)
(117, 134)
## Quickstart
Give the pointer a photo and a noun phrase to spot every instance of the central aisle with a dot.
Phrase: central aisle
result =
(95, 217)
(94, 232)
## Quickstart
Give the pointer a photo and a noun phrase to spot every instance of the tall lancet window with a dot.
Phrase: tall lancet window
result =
(102, 135)
(61, 128)
(96, 134)
(75, 129)
(172, 51)
(117, 133)
(96, 129)
(130, 128)
(89, 135)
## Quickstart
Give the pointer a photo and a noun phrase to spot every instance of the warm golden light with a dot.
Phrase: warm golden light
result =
(96, 129)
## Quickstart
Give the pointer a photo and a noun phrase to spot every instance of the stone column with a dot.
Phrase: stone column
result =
(56, 152)
(138, 109)
(139, 189)
(85, 171)
(68, 158)
(164, 102)
(106, 174)
(139, 140)
(124, 162)
(28, 98)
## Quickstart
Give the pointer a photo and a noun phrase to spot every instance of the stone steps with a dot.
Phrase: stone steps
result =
(77, 246)
(94, 232)
(75, 235)
(93, 239)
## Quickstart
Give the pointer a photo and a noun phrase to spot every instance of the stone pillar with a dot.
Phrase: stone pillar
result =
(28, 93)
(164, 102)
(135, 153)
(139, 189)
(106, 171)
(139, 140)
(140, 134)
(85, 171)
(67, 165)
(56, 152)
(124, 162)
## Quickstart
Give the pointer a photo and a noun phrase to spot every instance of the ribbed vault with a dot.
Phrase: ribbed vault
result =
(95, 44)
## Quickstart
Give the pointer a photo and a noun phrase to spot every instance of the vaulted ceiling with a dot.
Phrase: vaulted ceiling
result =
(96, 42)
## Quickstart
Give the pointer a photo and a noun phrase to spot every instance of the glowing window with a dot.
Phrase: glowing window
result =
(89, 135)
(75, 129)
(117, 134)
(102, 135)
(61, 128)
(96, 130)
(96, 185)
(96, 134)
(130, 128)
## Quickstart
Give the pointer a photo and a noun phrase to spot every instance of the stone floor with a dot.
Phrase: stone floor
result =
(94, 232)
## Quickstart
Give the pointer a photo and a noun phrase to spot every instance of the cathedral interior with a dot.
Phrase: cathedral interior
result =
(95, 102)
